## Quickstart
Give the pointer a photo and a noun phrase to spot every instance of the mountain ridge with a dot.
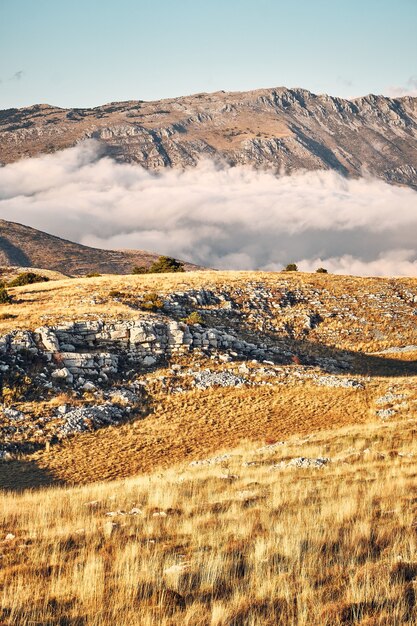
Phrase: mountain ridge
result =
(285, 129)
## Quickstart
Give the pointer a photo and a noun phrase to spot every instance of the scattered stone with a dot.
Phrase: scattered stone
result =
(303, 463)
(135, 511)
(333, 381)
(385, 413)
(90, 418)
(63, 374)
(390, 397)
(208, 378)
(215, 460)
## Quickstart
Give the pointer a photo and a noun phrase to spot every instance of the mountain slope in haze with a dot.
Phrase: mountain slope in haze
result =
(289, 129)
(27, 247)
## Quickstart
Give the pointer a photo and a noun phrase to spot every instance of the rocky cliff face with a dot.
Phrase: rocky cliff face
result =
(288, 129)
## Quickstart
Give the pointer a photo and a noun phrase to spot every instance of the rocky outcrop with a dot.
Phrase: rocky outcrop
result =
(274, 333)
(286, 129)
(75, 352)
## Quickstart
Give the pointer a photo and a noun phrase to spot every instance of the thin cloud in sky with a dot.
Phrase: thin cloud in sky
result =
(410, 89)
(231, 218)
(17, 75)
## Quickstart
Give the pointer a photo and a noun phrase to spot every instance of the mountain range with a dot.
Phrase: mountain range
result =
(280, 128)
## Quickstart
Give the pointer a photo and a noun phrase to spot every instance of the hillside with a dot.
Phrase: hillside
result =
(310, 531)
(27, 247)
(114, 376)
(287, 129)
(209, 448)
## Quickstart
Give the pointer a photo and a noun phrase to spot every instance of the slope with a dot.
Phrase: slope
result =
(27, 247)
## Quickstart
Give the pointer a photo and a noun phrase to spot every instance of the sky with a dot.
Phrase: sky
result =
(89, 52)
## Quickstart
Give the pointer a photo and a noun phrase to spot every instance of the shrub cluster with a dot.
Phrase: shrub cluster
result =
(5, 298)
(163, 265)
(27, 278)
(193, 318)
(152, 302)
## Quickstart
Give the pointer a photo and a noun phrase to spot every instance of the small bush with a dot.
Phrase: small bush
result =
(321, 270)
(92, 275)
(27, 278)
(139, 269)
(7, 316)
(16, 387)
(291, 267)
(5, 298)
(193, 318)
(166, 264)
(152, 302)
(114, 293)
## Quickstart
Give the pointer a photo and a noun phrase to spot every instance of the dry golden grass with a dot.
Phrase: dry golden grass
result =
(191, 425)
(240, 542)
(232, 544)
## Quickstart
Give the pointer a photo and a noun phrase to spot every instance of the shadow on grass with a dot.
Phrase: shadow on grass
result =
(18, 475)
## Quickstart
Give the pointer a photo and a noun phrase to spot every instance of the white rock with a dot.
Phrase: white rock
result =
(63, 374)
(88, 386)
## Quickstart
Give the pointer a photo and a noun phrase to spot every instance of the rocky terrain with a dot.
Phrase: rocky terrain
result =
(286, 129)
(147, 341)
(23, 246)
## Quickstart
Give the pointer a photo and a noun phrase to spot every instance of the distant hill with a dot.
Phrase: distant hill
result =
(23, 246)
(287, 129)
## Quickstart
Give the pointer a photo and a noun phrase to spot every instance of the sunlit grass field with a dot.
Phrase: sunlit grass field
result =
(244, 540)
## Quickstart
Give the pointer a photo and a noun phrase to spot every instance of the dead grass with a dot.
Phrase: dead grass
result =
(227, 544)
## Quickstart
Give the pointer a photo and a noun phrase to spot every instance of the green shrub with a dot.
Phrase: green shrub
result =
(166, 264)
(291, 267)
(139, 269)
(193, 318)
(5, 298)
(321, 270)
(152, 302)
(27, 278)
(115, 293)
(163, 265)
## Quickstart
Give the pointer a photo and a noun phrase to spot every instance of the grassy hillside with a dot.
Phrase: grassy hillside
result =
(356, 365)
(262, 471)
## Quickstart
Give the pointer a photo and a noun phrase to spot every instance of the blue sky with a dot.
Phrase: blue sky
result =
(89, 52)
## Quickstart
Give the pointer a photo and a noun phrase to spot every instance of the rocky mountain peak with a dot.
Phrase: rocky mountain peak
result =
(282, 128)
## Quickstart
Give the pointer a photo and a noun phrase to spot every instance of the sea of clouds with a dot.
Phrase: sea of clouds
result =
(217, 216)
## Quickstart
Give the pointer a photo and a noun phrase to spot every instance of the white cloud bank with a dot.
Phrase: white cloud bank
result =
(234, 218)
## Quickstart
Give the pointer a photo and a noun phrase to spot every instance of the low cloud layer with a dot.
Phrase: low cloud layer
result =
(233, 218)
